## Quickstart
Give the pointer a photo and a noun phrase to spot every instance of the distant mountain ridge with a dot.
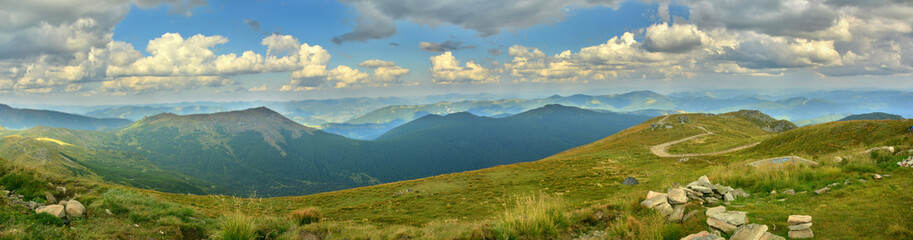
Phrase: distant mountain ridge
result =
(872, 116)
(23, 118)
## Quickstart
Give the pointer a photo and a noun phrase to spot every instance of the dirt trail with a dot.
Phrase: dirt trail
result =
(661, 149)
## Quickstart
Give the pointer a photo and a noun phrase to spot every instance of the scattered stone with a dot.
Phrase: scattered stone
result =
(906, 162)
(771, 236)
(790, 192)
(833, 184)
(738, 192)
(4, 193)
(749, 232)
(62, 189)
(862, 180)
(108, 211)
(652, 194)
(838, 159)
(135, 225)
(677, 196)
(801, 226)
(32, 205)
(722, 226)
(703, 235)
(798, 219)
(728, 197)
(50, 198)
(55, 210)
(654, 201)
(63, 202)
(702, 189)
(704, 181)
(630, 181)
(75, 209)
(664, 208)
(822, 191)
(712, 201)
(877, 176)
(801, 234)
(887, 175)
(737, 218)
(678, 213)
(772, 192)
(847, 182)
(889, 148)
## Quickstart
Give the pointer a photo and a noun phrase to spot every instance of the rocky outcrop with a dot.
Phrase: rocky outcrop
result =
(672, 203)
(749, 232)
(800, 227)
(906, 162)
(75, 209)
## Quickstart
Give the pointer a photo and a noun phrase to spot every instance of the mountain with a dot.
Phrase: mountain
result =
(259, 151)
(872, 116)
(15, 118)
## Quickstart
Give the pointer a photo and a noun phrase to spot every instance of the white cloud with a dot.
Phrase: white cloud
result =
(261, 88)
(675, 38)
(445, 69)
(143, 84)
(376, 63)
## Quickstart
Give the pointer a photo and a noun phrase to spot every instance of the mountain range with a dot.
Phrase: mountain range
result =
(260, 151)
(23, 118)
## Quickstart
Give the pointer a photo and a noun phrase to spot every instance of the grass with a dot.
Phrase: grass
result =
(237, 227)
(533, 217)
(306, 215)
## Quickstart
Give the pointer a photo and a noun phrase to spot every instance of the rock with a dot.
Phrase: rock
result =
(771, 236)
(738, 192)
(108, 211)
(772, 192)
(749, 232)
(728, 197)
(862, 180)
(55, 210)
(75, 209)
(712, 201)
(702, 189)
(32, 205)
(717, 209)
(664, 208)
(823, 190)
(677, 196)
(62, 189)
(4, 193)
(630, 181)
(736, 218)
(877, 176)
(798, 219)
(654, 201)
(790, 192)
(652, 194)
(801, 226)
(721, 225)
(704, 181)
(838, 159)
(703, 235)
(694, 195)
(678, 212)
(50, 198)
(63, 202)
(801, 234)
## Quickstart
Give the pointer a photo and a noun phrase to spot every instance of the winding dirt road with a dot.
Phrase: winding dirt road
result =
(661, 150)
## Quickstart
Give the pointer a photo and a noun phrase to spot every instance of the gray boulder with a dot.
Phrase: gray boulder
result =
(677, 196)
(630, 181)
(732, 217)
(801, 234)
(801, 226)
(678, 212)
(654, 201)
(721, 225)
(798, 219)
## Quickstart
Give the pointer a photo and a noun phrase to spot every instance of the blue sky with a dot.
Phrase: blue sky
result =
(88, 52)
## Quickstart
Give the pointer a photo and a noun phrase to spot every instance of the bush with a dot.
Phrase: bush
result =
(237, 227)
(46, 219)
(307, 215)
(533, 217)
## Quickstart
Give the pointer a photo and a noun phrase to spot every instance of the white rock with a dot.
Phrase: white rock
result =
(75, 209)
(56, 210)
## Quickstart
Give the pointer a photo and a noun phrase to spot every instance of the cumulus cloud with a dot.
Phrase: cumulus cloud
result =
(487, 17)
(446, 46)
(445, 69)
(261, 88)
(674, 38)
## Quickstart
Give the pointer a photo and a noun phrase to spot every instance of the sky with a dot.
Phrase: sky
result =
(88, 52)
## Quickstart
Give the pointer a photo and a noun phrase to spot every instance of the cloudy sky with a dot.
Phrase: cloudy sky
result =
(149, 51)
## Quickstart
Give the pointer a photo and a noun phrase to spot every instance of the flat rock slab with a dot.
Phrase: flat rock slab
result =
(736, 218)
(798, 227)
(749, 232)
(798, 219)
(721, 225)
(652, 194)
(771, 236)
(654, 201)
(801, 234)
(677, 196)
(703, 235)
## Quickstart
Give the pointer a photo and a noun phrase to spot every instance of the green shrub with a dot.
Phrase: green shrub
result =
(533, 217)
(237, 227)
(884, 159)
(307, 215)
(46, 219)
